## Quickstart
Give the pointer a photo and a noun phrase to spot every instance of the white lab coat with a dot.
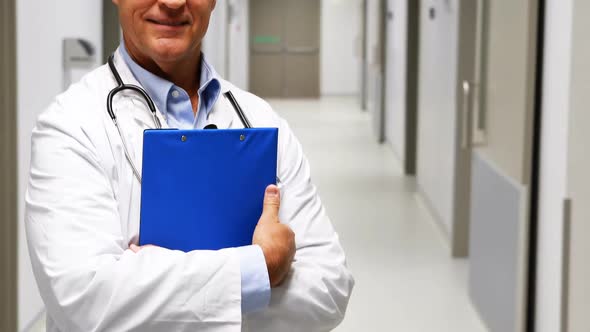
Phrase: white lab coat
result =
(82, 212)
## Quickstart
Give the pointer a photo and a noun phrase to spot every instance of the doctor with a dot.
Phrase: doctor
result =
(83, 202)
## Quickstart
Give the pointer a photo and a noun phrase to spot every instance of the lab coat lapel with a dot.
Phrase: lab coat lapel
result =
(141, 111)
(133, 114)
(133, 117)
(222, 113)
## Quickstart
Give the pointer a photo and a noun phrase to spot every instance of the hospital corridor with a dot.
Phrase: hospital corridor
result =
(392, 245)
(430, 174)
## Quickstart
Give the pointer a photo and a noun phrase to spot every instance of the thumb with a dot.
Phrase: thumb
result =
(272, 203)
(134, 248)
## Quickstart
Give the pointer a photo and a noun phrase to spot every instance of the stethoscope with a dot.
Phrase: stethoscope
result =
(122, 87)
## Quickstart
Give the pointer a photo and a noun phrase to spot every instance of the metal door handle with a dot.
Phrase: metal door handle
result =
(302, 49)
(258, 51)
(466, 110)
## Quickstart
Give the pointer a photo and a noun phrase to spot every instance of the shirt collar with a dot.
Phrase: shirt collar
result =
(158, 88)
(210, 86)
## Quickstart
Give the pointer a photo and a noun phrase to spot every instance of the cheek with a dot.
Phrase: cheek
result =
(201, 11)
(127, 19)
(131, 14)
(203, 24)
(138, 29)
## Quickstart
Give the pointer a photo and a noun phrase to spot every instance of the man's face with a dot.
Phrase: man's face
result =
(165, 30)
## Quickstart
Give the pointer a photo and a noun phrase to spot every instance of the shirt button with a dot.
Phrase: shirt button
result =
(175, 93)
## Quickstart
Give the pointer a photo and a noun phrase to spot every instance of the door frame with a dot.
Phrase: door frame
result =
(383, 64)
(8, 169)
(466, 73)
(111, 33)
(364, 53)
(531, 263)
(412, 87)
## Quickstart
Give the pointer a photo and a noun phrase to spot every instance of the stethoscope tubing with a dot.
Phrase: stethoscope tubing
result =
(232, 100)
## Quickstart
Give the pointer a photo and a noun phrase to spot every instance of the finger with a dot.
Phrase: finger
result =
(137, 249)
(272, 203)
(134, 248)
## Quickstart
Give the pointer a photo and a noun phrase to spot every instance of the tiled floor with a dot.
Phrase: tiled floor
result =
(406, 281)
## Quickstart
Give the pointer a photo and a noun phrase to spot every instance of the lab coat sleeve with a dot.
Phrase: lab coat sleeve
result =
(88, 278)
(315, 295)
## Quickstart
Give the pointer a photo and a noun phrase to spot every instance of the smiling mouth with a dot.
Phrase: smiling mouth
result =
(169, 23)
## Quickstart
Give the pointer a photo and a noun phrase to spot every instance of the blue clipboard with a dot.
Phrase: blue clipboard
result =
(204, 189)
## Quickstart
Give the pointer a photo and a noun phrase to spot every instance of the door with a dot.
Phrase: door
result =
(302, 48)
(395, 76)
(499, 101)
(376, 50)
(285, 48)
(412, 70)
(577, 276)
(445, 57)
(111, 33)
(401, 77)
(364, 56)
(8, 176)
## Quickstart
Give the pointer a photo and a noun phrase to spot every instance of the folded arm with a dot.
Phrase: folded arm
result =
(315, 294)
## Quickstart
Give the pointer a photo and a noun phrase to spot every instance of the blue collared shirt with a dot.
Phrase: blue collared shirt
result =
(175, 105)
(172, 101)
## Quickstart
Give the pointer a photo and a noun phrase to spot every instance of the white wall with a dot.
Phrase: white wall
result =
(41, 27)
(395, 76)
(437, 107)
(214, 45)
(340, 44)
(554, 144)
(226, 45)
(239, 43)
(371, 43)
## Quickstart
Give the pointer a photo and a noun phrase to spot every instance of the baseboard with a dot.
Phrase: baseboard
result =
(436, 218)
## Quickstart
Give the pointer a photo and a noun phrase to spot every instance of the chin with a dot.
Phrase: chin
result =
(170, 50)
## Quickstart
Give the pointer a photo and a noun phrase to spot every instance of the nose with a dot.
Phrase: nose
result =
(173, 4)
